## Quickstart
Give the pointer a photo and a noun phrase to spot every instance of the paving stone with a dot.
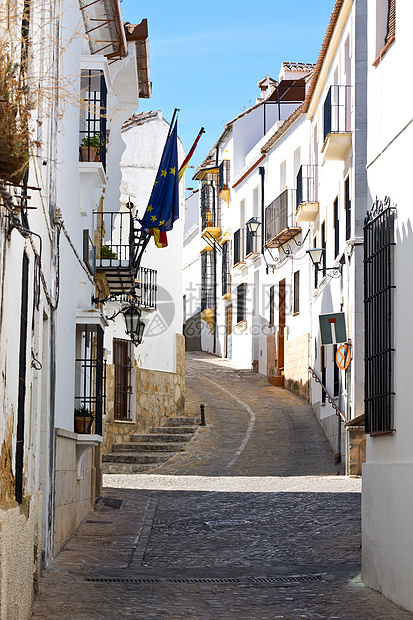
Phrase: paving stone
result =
(252, 521)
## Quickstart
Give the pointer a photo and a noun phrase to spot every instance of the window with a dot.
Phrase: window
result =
(347, 203)
(122, 357)
(89, 372)
(385, 26)
(226, 272)
(296, 304)
(241, 303)
(378, 322)
(336, 229)
(272, 298)
(19, 462)
(92, 129)
(207, 280)
(239, 246)
(252, 242)
(208, 205)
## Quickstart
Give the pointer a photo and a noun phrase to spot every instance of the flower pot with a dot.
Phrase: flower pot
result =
(87, 153)
(81, 425)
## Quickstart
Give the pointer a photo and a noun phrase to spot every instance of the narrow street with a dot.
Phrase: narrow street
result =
(251, 521)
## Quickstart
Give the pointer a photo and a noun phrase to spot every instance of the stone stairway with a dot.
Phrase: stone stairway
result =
(147, 451)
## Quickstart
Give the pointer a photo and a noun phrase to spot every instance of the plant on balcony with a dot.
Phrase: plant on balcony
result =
(106, 252)
(14, 120)
(90, 149)
(83, 420)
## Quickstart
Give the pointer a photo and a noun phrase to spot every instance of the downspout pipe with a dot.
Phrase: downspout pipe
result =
(261, 171)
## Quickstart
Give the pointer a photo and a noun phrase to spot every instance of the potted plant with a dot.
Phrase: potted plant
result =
(90, 149)
(83, 420)
(106, 252)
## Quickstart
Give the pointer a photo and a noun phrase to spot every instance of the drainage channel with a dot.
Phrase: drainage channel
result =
(287, 579)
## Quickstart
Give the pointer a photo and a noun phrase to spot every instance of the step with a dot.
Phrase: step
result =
(173, 430)
(147, 447)
(180, 421)
(161, 438)
(126, 468)
(143, 458)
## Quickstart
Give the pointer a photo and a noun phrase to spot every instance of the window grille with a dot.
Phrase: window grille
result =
(279, 214)
(93, 112)
(89, 372)
(347, 207)
(207, 280)
(210, 210)
(315, 270)
(122, 358)
(296, 305)
(378, 327)
(226, 270)
(147, 288)
(241, 302)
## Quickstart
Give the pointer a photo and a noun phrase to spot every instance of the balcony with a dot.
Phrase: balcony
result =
(116, 242)
(92, 129)
(210, 213)
(146, 289)
(280, 224)
(223, 180)
(307, 204)
(337, 123)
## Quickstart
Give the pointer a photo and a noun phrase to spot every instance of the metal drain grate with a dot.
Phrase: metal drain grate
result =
(293, 579)
(287, 579)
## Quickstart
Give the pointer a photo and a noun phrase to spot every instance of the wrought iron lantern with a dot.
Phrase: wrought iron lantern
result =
(134, 325)
(316, 255)
(252, 225)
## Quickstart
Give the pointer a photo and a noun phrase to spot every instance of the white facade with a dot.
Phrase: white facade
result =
(144, 136)
(49, 472)
(387, 563)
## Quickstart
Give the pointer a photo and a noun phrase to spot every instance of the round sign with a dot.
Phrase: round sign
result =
(343, 356)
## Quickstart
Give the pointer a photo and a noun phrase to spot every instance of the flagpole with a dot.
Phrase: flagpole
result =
(176, 111)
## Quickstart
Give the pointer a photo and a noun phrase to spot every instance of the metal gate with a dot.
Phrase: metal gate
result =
(378, 293)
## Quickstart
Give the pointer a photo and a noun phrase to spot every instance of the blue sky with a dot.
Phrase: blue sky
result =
(206, 58)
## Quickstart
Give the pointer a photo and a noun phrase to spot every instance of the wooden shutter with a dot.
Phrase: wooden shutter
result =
(391, 21)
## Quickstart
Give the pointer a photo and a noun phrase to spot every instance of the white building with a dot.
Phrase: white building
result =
(387, 561)
(145, 384)
(80, 90)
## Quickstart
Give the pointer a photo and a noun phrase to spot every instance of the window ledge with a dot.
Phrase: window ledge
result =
(241, 325)
(296, 313)
(376, 62)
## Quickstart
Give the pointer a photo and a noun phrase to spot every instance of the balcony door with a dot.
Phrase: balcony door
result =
(228, 332)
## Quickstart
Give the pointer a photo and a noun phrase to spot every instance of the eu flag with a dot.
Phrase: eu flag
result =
(163, 206)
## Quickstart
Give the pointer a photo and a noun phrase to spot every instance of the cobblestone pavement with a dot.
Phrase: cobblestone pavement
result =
(250, 522)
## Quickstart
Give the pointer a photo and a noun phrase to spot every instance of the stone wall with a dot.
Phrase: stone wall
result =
(74, 498)
(20, 543)
(159, 395)
(296, 360)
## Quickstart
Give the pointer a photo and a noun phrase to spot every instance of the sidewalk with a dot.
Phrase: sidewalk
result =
(250, 522)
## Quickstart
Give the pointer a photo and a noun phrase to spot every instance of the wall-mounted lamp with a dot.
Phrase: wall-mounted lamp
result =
(134, 325)
(316, 255)
(129, 205)
(252, 225)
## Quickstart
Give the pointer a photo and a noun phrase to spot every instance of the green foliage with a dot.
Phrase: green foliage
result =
(106, 252)
(94, 142)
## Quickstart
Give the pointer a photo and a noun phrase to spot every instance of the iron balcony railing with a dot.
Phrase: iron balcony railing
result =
(145, 289)
(92, 130)
(337, 110)
(306, 185)
(210, 209)
(279, 215)
(117, 249)
(207, 281)
(223, 179)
